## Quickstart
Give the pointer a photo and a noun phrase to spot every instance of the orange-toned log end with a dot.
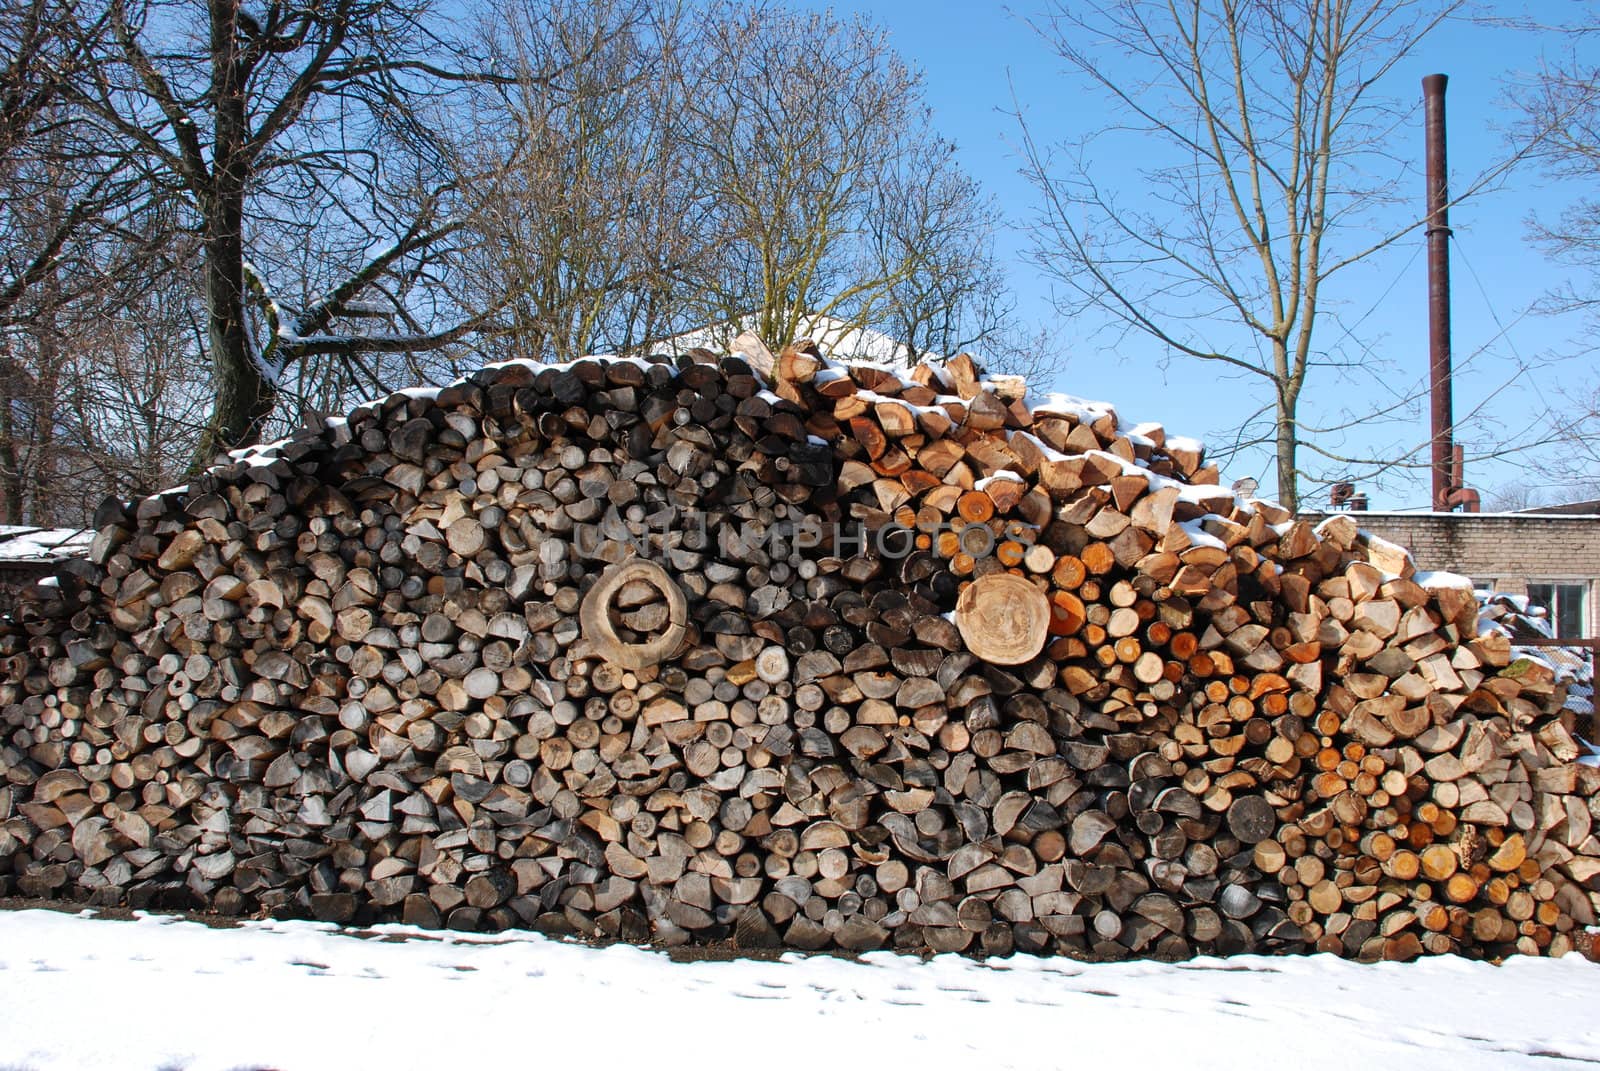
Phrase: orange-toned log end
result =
(1009, 553)
(975, 507)
(1435, 918)
(1066, 613)
(1098, 558)
(1303, 653)
(1003, 618)
(1328, 784)
(1068, 573)
(1403, 865)
(1510, 855)
(1461, 888)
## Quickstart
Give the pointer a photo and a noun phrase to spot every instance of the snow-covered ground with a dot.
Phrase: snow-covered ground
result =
(166, 993)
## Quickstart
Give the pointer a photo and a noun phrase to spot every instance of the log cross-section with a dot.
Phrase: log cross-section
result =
(594, 615)
(1003, 618)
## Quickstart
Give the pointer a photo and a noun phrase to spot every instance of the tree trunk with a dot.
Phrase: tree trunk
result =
(244, 397)
(42, 505)
(1286, 431)
(10, 469)
(1287, 446)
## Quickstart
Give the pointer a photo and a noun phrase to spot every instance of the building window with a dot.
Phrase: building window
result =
(1567, 601)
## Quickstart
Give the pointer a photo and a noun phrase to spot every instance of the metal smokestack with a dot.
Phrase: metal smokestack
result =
(1445, 477)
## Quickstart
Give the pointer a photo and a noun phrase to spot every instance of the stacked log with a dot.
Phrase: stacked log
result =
(598, 649)
(1532, 637)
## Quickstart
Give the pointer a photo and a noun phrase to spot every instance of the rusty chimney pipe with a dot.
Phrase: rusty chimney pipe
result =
(1445, 476)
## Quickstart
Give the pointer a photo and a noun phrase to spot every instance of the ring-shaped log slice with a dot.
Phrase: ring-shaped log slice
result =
(594, 615)
(1003, 618)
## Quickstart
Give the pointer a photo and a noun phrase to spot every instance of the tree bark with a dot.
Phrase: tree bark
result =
(1287, 434)
(10, 469)
(245, 398)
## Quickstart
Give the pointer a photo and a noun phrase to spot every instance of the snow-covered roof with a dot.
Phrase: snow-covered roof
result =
(1589, 508)
(20, 544)
(1550, 513)
(840, 340)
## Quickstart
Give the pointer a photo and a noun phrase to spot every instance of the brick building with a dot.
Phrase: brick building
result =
(1551, 555)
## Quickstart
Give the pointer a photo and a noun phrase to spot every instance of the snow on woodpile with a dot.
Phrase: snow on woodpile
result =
(30, 554)
(845, 657)
(1512, 616)
(21, 544)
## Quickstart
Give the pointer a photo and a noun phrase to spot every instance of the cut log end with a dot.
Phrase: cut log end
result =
(1004, 619)
(596, 612)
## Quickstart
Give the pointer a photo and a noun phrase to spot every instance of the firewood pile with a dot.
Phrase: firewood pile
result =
(783, 653)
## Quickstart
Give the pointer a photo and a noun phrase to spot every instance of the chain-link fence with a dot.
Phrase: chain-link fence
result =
(1574, 661)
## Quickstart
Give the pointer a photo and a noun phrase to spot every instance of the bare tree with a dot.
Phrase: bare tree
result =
(667, 184)
(72, 248)
(284, 121)
(1559, 110)
(1576, 461)
(829, 190)
(1269, 174)
(1560, 116)
(958, 298)
(110, 323)
(57, 178)
(582, 190)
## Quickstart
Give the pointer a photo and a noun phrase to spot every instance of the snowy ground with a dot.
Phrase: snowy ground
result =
(165, 993)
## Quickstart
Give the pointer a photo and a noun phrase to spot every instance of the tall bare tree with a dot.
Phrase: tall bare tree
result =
(1560, 116)
(1266, 136)
(109, 322)
(581, 191)
(831, 193)
(57, 179)
(75, 245)
(305, 117)
(958, 298)
(669, 184)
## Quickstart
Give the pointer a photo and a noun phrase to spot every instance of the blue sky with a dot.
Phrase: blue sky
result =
(974, 54)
